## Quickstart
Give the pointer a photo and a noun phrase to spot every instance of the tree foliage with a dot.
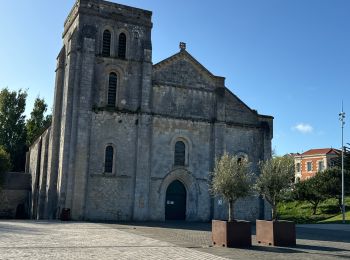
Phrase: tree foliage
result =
(5, 163)
(332, 178)
(337, 161)
(347, 159)
(312, 190)
(12, 126)
(231, 179)
(324, 185)
(276, 177)
(38, 122)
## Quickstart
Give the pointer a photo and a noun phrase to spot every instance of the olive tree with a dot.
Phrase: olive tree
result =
(276, 177)
(231, 179)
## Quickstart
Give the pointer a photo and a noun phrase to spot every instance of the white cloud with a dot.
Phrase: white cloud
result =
(303, 128)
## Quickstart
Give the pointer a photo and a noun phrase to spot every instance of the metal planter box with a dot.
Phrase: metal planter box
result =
(235, 233)
(276, 233)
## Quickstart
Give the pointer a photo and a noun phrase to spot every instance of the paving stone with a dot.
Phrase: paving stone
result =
(57, 240)
(173, 240)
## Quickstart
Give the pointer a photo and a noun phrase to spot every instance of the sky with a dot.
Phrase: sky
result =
(285, 58)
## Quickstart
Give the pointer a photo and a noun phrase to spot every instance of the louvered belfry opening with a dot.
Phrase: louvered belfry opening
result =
(106, 44)
(109, 159)
(122, 46)
(180, 150)
(112, 89)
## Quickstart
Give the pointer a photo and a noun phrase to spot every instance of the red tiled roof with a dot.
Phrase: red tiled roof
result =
(321, 151)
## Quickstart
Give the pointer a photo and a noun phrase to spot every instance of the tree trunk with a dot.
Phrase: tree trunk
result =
(314, 208)
(274, 212)
(274, 207)
(230, 210)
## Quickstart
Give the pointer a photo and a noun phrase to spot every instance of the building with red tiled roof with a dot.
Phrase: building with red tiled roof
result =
(312, 161)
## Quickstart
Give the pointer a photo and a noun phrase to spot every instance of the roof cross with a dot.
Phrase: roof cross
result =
(182, 46)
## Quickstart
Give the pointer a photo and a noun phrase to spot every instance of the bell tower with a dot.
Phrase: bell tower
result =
(105, 65)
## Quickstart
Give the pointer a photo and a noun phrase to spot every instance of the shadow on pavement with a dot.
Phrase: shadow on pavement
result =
(197, 226)
(323, 235)
(321, 248)
(317, 251)
(272, 249)
(297, 249)
(8, 228)
(302, 232)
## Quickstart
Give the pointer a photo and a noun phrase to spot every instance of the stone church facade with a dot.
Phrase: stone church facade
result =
(130, 140)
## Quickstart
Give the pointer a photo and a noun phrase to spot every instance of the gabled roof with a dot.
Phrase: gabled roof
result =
(169, 71)
(322, 151)
(184, 54)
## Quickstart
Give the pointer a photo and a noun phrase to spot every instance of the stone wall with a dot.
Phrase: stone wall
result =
(194, 175)
(182, 102)
(238, 112)
(110, 196)
(15, 195)
(38, 161)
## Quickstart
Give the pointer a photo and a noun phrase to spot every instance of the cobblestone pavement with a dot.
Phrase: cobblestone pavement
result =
(57, 240)
(313, 241)
(171, 240)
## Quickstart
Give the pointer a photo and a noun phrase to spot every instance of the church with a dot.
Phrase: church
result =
(135, 141)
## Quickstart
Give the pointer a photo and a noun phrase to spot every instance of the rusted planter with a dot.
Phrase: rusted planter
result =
(276, 233)
(237, 233)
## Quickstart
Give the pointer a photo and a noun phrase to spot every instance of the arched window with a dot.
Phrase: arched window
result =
(106, 44)
(112, 89)
(180, 153)
(122, 46)
(241, 156)
(109, 159)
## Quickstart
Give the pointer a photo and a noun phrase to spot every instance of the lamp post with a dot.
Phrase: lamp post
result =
(342, 121)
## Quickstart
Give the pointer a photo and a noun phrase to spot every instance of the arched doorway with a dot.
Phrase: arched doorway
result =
(175, 201)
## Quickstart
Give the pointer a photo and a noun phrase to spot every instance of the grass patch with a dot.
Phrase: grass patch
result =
(338, 219)
(301, 212)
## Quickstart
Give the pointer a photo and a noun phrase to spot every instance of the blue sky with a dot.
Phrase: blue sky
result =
(286, 58)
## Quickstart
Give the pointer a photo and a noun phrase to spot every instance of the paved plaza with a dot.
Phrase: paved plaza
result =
(171, 240)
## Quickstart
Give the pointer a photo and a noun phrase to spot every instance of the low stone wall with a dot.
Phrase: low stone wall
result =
(15, 194)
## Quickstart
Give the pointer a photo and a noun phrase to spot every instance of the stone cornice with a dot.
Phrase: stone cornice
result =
(166, 116)
(71, 18)
(165, 84)
(117, 17)
(120, 13)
